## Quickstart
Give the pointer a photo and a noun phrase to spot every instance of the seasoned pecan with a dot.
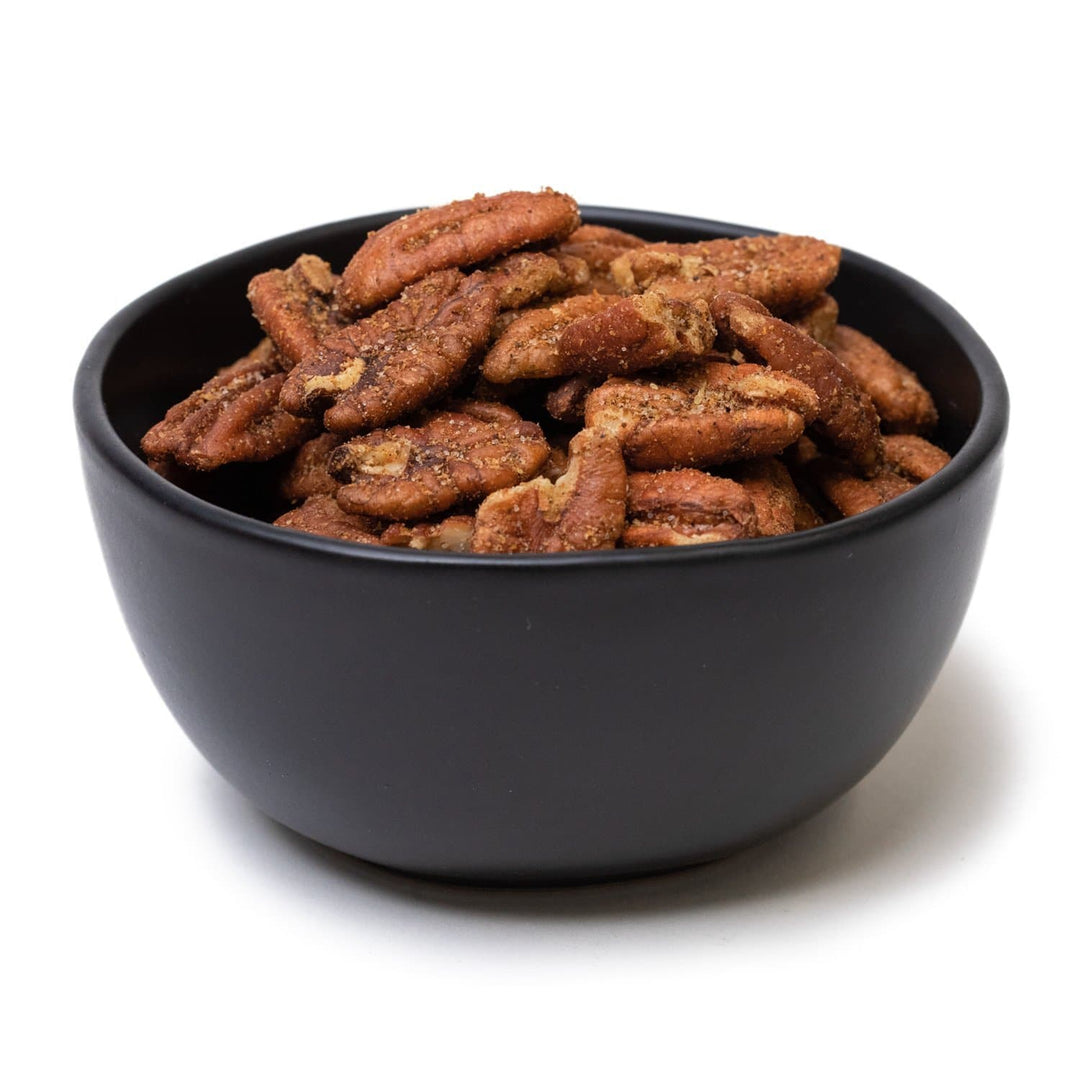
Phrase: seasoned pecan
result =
(852, 494)
(847, 418)
(634, 333)
(529, 347)
(913, 457)
(779, 506)
(308, 474)
(685, 506)
(451, 534)
(818, 319)
(295, 307)
(406, 473)
(584, 509)
(460, 234)
(235, 416)
(702, 415)
(416, 349)
(902, 402)
(320, 514)
(566, 402)
(783, 272)
(599, 246)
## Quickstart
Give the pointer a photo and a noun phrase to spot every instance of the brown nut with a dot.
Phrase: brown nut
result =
(599, 246)
(407, 473)
(634, 333)
(295, 307)
(566, 403)
(784, 273)
(416, 349)
(308, 473)
(847, 418)
(584, 509)
(902, 402)
(459, 234)
(913, 458)
(707, 414)
(233, 417)
(852, 494)
(528, 348)
(451, 534)
(818, 319)
(320, 514)
(780, 507)
(685, 506)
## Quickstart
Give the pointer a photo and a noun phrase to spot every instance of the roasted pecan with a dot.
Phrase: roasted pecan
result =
(295, 307)
(902, 402)
(912, 457)
(308, 474)
(235, 416)
(460, 234)
(702, 415)
(451, 534)
(405, 473)
(320, 514)
(779, 507)
(566, 402)
(784, 272)
(847, 418)
(634, 333)
(599, 246)
(584, 509)
(528, 348)
(416, 349)
(818, 319)
(685, 506)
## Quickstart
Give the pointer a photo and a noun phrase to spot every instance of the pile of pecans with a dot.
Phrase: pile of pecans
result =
(494, 376)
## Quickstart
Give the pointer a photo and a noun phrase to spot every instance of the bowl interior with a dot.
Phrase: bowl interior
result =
(176, 337)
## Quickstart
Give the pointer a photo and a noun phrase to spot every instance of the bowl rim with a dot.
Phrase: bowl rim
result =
(98, 434)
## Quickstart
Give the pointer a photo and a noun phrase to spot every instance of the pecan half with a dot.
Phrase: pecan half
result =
(817, 319)
(686, 506)
(416, 349)
(702, 415)
(584, 509)
(451, 534)
(295, 307)
(406, 473)
(459, 234)
(783, 272)
(779, 507)
(566, 402)
(912, 457)
(235, 416)
(599, 246)
(902, 402)
(847, 418)
(308, 473)
(320, 514)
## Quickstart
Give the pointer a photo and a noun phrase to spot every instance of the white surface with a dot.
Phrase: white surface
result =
(158, 926)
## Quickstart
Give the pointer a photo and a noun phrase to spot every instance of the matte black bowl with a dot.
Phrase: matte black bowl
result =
(532, 718)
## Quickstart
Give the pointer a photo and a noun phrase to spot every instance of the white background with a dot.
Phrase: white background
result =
(156, 925)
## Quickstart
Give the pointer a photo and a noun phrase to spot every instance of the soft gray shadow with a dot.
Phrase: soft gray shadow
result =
(934, 796)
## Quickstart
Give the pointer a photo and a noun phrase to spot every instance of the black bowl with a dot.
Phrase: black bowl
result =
(532, 718)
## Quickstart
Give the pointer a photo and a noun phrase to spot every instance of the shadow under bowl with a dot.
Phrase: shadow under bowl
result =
(531, 719)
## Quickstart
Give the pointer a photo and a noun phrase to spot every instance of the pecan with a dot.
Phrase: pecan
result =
(295, 307)
(685, 506)
(779, 507)
(599, 246)
(567, 401)
(817, 319)
(529, 347)
(460, 234)
(584, 509)
(234, 416)
(320, 514)
(847, 418)
(308, 474)
(902, 402)
(416, 349)
(703, 415)
(406, 473)
(913, 457)
(634, 333)
(783, 272)
(451, 534)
